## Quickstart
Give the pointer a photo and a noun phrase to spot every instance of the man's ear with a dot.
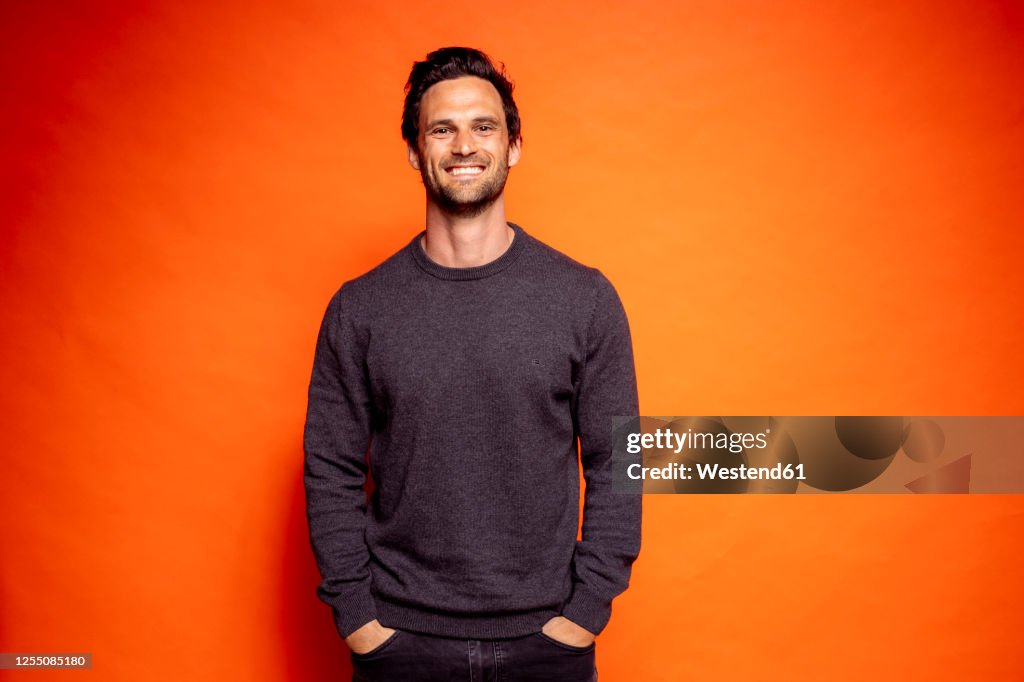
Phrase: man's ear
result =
(514, 150)
(414, 157)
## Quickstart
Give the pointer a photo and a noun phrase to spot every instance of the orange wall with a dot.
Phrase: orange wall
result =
(807, 208)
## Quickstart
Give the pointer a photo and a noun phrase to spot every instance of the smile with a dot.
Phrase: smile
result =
(465, 170)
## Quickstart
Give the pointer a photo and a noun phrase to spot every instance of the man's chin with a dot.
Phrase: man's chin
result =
(466, 209)
(467, 204)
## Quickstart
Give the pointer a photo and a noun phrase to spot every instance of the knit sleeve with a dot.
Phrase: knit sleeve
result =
(335, 441)
(611, 520)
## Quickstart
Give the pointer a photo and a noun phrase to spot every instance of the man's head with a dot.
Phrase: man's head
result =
(462, 128)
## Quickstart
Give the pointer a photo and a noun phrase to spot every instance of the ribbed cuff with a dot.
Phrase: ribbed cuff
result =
(588, 610)
(354, 613)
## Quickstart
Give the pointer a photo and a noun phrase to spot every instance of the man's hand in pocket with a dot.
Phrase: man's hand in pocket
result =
(368, 637)
(564, 630)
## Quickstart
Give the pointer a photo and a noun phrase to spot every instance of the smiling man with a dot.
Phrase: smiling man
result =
(471, 374)
(464, 174)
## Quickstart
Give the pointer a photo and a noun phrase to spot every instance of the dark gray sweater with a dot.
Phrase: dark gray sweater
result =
(465, 390)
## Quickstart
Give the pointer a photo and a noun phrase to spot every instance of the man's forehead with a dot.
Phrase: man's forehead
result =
(467, 96)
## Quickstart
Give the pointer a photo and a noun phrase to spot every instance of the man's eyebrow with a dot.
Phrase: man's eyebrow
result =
(441, 122)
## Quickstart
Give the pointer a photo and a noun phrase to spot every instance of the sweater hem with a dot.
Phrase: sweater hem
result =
(504, 626)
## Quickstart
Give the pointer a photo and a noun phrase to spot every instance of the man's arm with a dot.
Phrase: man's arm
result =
(335, 440)
(611, 521)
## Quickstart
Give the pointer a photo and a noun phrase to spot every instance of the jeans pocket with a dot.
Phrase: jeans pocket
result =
(568, 647)
(377, 649)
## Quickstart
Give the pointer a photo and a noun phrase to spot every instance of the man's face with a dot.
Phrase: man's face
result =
(463, 154)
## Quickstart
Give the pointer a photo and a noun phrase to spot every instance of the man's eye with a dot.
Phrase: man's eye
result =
(440, 131)
(485, 128)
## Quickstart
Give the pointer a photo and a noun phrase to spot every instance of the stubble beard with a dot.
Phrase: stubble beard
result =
(466, 202)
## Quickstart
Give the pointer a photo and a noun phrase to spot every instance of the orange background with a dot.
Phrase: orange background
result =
(807, 208)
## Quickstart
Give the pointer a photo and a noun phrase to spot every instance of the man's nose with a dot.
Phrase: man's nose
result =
(464, 143)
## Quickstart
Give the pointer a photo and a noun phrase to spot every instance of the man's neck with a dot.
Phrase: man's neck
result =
(459, 242)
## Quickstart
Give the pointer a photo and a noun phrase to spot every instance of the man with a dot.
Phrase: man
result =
(464, 369)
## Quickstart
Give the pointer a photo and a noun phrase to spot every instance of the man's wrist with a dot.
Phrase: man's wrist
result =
(587, 610)
(355, 612)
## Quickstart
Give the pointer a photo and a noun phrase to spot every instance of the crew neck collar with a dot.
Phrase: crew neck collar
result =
(477, 272)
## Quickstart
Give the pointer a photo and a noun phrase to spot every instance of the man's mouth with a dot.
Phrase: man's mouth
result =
(465, 170)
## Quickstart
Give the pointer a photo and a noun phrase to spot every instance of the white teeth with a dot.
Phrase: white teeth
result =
(466, 170)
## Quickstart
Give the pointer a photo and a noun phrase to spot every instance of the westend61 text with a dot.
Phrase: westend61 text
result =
(710, 472)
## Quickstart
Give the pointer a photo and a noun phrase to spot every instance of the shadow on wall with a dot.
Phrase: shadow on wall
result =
(311, 647)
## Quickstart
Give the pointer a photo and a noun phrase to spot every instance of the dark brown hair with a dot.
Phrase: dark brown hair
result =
(455, 62)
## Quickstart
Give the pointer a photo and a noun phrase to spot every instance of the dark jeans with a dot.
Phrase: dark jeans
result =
(413, 657)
